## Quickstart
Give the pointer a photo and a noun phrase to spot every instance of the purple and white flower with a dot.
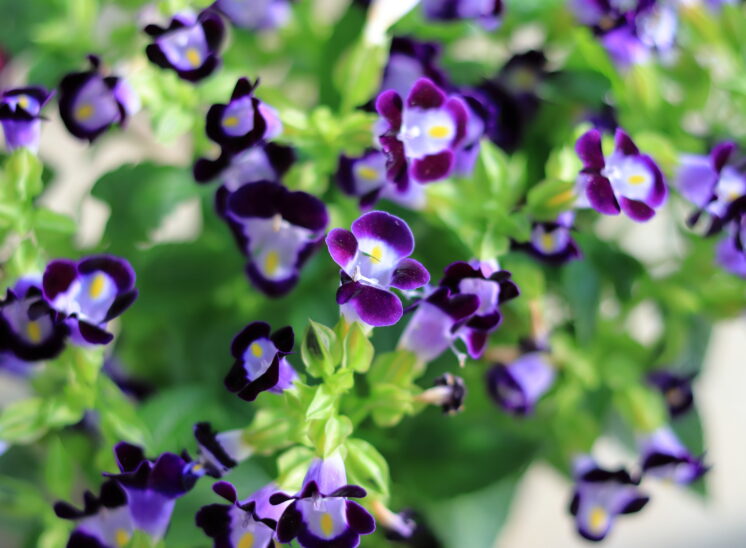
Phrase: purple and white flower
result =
(321, 514)
(730, 254)
(255, 14)
(409, 60)
(518, 386)
(260, 361)
(90, 103)
(448, 392)
(665, 457)
(624, 181)
(675, 388)
(249, 523)
(602, 495)
(20, 115)
(487, 13)
(219, 452)
(261, 162)
(420, 136)
(374, 256)
(552, 242)
(280, 230)
(189, 45)
(87, 294)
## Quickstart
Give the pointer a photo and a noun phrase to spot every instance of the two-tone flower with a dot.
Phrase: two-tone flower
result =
(91, 102)
(625, 181)
(374, 257)
(730, 254)
(219, 452)
(248, 523)
(280, 230)
(87, 294)
(420, 135)
(409, 60)
(676, 390)
(20, 116)
(260, 361)
(552, 242)
(255, 14)
(600, 496)
(487, 13)
(261, 162)
(321, 514)
(665, 457)
(190, 45)
(448, 392)
(518, 386)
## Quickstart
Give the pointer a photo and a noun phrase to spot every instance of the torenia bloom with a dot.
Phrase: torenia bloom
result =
(374, 257)
(665, 457)
(518, 386)
(90, 103)
(602, 495)
(261, 162)
(410, 60)
(255, 14)
(676, 389)
(89, 293)
(281, 230)
(730, 257)
(321, 514)
(420, 135)
(448, 392)
(552, 242)
(244, 121)
(626, 180)
(20, 115)
(260, 361)
(246, 523)
(152, 487)
(29, 330)
(189, 45)
(104, 522)
(219, 452)
(486, 12)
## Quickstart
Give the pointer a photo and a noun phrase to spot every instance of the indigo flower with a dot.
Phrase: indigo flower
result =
(88, 293)
(676, 390)
(448, 392)
(476, 127)
(665, 457)
(219, 452)
(20, 115)
(626, 180)
(280, 229)
(602, 495)
(518, 386)
(552, 242)
(492, 286)
(420, 136)
(189, 45)
(260, 361)
(374, 257)
(262, 162)
(485, 12)
(410, 60)
(321, 514)
(90, 103)
(104, 522)
(255, 14)
(152, 487)
(29, 330)
(729, 256)
(246, 523)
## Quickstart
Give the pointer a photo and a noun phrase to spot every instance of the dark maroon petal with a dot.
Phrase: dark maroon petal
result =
(396, 161)
(389, 105)
(659, 191)
(391, 230)
(122, 303)
(476, 342)
(128, 456)
(636, 210)
(409, 274)
(359, 519)
(57, 278)
(289, 523)
(376, 307)
(601, 195)
(263, 382)
(284, 339)
(250, 333)
(260, 199)
(425, 95)
(588, 147)
(349, 491)
(342, 246)
(460, 114)
(457, 307)
(433, 168)
(305, 210)
(226, 490)
(720, 155)
(94, 334)
(624, 144)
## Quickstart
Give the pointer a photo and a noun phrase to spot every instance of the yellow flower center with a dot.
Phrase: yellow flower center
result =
(33, 330)
(547, 242)
(231, 121)
(272, 262)
(121, 537)
(84, 112)
(367, 173)
(23, 101)
(256, 350)
(376, 254)
(438, 132)
(636, 179)
(327, 524)
(246, 541)
(194, 58)
(97, 286)
(598, 519)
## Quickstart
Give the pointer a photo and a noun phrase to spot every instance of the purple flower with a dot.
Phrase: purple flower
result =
(492, 287)
(518, 386)
(152, 487)
(627, 180)
(90, 103)
(410, 60)
(486, 12)
(448, 392)
(600, 496)
(241, 524)
(279, 229)
(219, 452)
(260, 361)
(20, 115)
(88, 293)
(321, 514)
(29, 330)
(664, 457)
(261, 162)
(255, 14)
(476, 127)
(189, 45)
(552, 242)
(104, 522)
(374, 257)
(421, 134)
(676, 390)
(730, 257)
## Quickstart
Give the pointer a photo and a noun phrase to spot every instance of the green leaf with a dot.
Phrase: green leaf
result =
(550, 198)
(389, 404)
(396, 368)
(322, 405)
(358, 75)
(642, 408)
(58, 469)
(582, 288)
(292, 466)
(327, 435)
(319, 350)
(367, 467)
(23, 171)
(357, 350)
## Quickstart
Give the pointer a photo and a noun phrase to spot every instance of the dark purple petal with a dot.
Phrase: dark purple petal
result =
(284, 339)
(376, 307)
(589, 150)
(120, 304)
(128, 456)
(225, 490)
(392, 230)
(659, 191)
(342, 246)
(289, 523)
(409, 274)
(57, 278)
(260, 199)
(305, 210)
(635, 505)
(636, 210)
(265, 381)
(434, 167)
(624, 144)
(349, 491)
(389, 106)
(214, 520)
(601, 195)
(359, 519)
(720, 155)
(167, 475)
(460, 114)
(279, 498)
(425, 95)
(476, 342)
(94, 334)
